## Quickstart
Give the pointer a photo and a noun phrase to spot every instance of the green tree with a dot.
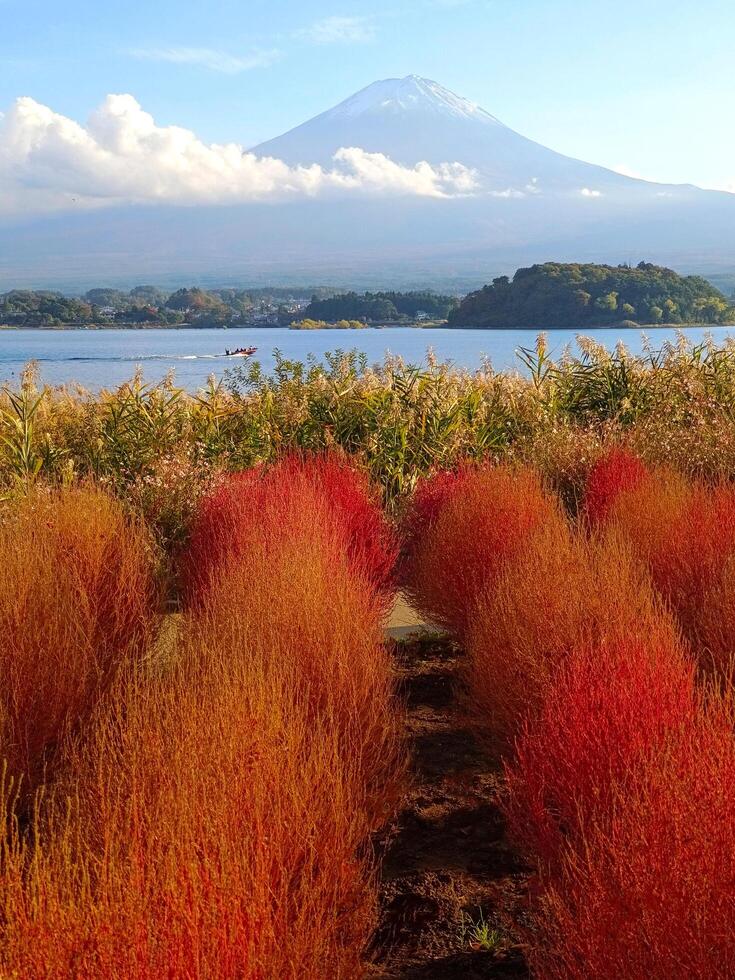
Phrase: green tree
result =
(656, 314)
(107, 297)
(607, 302)
(670, 309)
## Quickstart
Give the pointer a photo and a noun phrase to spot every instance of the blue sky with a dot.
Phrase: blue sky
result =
(645, 86)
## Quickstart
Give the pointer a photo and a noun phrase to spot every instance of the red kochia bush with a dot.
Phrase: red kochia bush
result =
(560, 592)
(650, 895)
(429, 496)
(716, 625)
(610, 705)
(473, 527)
(615, 472)
(685, 534)
(703, 541)
(225, 517)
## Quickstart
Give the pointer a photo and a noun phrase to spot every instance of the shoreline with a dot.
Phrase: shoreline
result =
(6, 328)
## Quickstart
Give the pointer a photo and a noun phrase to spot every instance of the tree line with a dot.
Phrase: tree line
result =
(547, 296)
(380, 307)
(150, 305)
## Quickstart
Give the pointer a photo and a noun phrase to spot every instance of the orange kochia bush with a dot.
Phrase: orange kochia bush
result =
(463, 531)
(214, 821)
(225, 517)
(562, 591)
(684, 532)
(650, 891)
(78, 598)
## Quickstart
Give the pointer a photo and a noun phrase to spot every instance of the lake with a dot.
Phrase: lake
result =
(105, 358)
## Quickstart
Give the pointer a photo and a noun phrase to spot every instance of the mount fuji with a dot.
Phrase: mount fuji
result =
(412, 119)
(526, 203)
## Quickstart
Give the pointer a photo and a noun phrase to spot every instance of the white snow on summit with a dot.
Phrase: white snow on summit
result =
(398, 95)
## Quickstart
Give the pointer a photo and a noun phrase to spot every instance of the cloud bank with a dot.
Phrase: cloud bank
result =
(50, 162)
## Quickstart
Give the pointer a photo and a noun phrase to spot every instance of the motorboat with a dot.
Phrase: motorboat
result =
(241, 352)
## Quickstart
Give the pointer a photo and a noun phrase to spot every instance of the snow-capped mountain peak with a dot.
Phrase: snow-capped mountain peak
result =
(414, 119)
(407, 119)
(409, 94)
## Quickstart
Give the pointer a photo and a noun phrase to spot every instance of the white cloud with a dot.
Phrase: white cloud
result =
(375, 171)
(48, 161)
(209, 58)
(338, 30)
(586, 192)
(514, 193)
(510, 193)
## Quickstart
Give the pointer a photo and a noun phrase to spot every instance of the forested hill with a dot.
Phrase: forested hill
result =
(555, 295)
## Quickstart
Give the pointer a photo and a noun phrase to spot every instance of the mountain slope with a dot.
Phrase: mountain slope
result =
(530, 205)
(412, 119)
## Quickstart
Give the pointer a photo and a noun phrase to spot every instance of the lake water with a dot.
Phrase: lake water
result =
(106, 358)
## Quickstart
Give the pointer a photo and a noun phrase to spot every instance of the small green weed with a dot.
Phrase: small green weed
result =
(478, 934)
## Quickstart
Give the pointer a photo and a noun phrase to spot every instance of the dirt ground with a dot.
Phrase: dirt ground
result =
(446, 864)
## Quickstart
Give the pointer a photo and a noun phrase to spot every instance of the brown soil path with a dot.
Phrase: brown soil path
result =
(445, 859)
